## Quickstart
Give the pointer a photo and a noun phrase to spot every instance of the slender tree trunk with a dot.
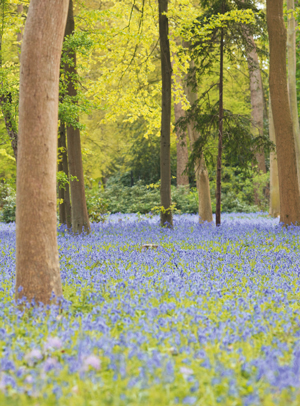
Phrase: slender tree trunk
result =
(20, 10)
(257, 100)
(274, 208)
(37, 264)
(202, 181)
(220, 147)
(201, 172)
(64, 193)
(286, 154)
(292, 86)
(80, 218)
(257, 96)
(182, 149)
(165, 154)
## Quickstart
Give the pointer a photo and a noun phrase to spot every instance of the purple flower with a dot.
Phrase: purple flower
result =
(33, 356)
(52, 343)
(91, 361)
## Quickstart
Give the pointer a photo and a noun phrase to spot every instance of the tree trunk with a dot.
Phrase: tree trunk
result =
(274, 208)
(37, 263)
(20, 10)
(64, 193)
(201, 173)
(202, 181)
(257, 100)
(292, 87)
(165, 154)
(80, 218)
(182, 149)
(286, 154)
(220, 147)
(257, 96)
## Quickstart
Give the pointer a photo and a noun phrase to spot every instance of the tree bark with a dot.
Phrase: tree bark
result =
(165, 154)
(182, 149)
(80, 218)
(292, 86)
(37, 263)
(286, 154)
(257, 100)
(64, 193)
(220, 147)
(274, 208)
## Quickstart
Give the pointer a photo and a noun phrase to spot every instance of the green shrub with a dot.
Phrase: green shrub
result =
(237, 196)
(9, 209)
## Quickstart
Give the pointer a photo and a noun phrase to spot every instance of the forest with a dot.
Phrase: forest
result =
(149, 202)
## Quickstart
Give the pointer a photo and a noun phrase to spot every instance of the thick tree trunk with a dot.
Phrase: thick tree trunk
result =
(80, 218)
(37, 264)
(274, 208)
(220, 147)
(165, 154)
(64, 193)
(286, 155)
(292, 86)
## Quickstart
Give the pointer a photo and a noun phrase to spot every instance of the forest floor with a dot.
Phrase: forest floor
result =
(209, 317)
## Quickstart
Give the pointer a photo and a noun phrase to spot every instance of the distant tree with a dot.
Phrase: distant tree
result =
(218, 32)
(292, 84)
(165, 156)
(182, 148)
(201, 172)
(274, 208)
(65, 214)
(80, 218)
(37, 264)
(285, 146)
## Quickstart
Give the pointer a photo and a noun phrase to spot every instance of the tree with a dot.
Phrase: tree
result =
(257, 99)
(274, 208)
(37, 263)
(201, 172)
(80, 218)
(166, 74)
(65, 214)
(292, 84)
(182, 149)
(285, 146)
(221, 27)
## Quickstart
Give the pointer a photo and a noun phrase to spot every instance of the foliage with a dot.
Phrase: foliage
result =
(8, 209)
(208, 317)
(237, 195)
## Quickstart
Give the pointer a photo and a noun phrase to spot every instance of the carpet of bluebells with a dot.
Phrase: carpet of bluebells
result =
(209, 317)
